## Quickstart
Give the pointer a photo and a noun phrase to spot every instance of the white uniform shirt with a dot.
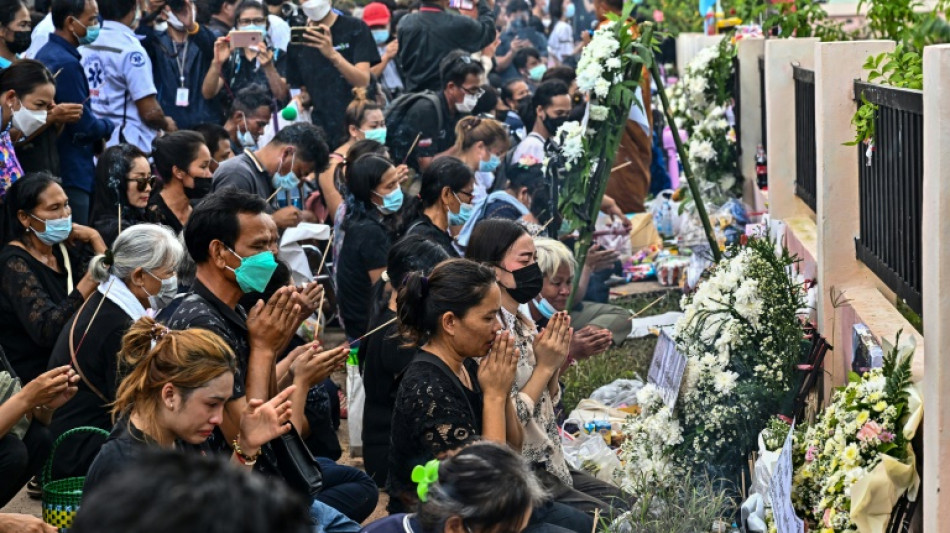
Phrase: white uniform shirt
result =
(561, 42)
(120, 73)
(40, 36)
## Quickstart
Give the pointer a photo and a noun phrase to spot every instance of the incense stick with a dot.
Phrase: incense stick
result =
(271, 197)
(596, 520)
(651, 304)
(367, 334)
(320, 307)
(620, 166)
(411, 148)
(326, 250)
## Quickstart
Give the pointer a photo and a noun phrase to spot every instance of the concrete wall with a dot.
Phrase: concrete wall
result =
(936, 283)
(748, 51)
(780, 54)
(689, 44)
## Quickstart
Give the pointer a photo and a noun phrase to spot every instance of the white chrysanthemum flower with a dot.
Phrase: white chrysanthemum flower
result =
(599, 113)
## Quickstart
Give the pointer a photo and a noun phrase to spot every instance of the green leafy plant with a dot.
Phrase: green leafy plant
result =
(803, 18)
(693, 503)
(679, 16)
(891, 19)
(901, 68)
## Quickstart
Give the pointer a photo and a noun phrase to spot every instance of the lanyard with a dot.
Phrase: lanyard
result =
(181, 59)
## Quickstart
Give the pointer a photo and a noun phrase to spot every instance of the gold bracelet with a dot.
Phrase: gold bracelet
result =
(248, 460)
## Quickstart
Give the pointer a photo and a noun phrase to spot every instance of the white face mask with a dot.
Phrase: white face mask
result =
(316, 10)
(468, 104)
(27, 120)
(161, 27)
(177, 23)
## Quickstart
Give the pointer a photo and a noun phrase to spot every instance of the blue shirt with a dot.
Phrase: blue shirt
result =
(170, 63)
(76, 142)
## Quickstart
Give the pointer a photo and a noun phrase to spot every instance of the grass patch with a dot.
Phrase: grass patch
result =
(623, 362)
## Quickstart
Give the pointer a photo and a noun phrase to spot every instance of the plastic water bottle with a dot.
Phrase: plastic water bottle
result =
(761, 168)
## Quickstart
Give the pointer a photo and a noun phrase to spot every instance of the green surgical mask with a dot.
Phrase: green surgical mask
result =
(255, 271)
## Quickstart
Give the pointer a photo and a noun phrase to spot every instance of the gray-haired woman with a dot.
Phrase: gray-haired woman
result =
(137, 274)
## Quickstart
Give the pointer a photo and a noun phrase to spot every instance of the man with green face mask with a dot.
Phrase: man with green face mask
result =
(233, 242)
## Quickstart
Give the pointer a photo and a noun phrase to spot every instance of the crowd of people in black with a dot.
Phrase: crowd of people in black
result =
(153, 153)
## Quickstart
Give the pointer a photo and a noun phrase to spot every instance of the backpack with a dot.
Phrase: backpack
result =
(398, 143)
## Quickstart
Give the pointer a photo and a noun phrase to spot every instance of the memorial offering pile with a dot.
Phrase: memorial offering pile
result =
(741, 337)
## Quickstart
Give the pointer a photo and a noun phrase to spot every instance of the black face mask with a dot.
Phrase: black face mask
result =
(552, 124)
(200, 190)
(528, 283)
(21, 41)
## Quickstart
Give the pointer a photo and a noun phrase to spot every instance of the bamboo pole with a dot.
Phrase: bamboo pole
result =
(684, 160)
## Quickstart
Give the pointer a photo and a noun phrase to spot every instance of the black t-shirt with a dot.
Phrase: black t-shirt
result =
(423, 119)
(159, 211)
(424, 227)
(384, 359)
(240, 72)
(330, 91)
(125, 444)
(202, 309)
(365, 247)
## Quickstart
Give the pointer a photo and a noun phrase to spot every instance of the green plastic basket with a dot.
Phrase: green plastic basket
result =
(61, 497)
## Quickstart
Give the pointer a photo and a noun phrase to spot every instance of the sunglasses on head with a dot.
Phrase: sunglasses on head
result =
(143, 183)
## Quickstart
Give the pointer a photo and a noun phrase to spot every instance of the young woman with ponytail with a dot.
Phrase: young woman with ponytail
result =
(445, 399)
(444, 202)
(174, 397)
(363, 119)
(482, 144)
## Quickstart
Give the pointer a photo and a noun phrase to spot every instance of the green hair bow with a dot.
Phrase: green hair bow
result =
(424, 476)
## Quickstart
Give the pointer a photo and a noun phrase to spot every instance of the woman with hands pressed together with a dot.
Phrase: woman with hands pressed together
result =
(508, 246)
(174, 398)
(43, 282)
(446, 400)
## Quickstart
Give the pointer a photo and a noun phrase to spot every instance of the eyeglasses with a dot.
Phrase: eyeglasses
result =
(143, 183)
(476, 91)
(256, 22)
(470, 194)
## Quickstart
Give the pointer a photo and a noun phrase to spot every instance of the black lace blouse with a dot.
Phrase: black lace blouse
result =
(34, 307)
(434, 413)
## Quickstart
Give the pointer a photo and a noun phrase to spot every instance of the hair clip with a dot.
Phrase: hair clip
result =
(423, 476)
(159, 331)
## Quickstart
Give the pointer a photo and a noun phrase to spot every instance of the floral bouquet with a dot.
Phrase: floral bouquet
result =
(699, 102)
(856, 460)
(648, 450)
(741, 336)
(609, 71)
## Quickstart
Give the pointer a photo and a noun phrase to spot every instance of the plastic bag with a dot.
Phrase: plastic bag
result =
(590, 454)
(356, 399)
(665, 213)
(620, 393)
(764, 466)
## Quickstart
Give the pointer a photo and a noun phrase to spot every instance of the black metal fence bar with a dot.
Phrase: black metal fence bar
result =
(891, 190)
(805, 151)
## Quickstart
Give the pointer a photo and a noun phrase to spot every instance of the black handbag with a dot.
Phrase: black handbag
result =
(296, 464)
